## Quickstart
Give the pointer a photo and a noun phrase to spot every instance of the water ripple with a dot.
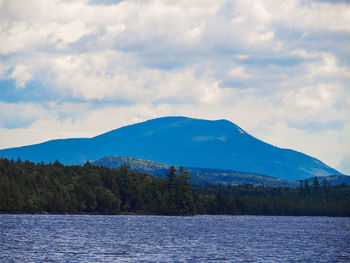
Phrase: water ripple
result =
(87, 238)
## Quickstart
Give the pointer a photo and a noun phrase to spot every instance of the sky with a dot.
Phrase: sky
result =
(278, 69)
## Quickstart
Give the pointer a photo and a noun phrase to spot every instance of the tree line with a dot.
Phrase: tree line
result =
(26, 187)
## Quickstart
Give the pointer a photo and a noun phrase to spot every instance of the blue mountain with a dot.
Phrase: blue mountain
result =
(181, 141)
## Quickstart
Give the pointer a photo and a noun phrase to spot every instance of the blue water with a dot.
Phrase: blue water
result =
(90, 238)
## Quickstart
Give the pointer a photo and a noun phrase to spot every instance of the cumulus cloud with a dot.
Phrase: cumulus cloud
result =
(313, 16)
(278, 69)
(19, 115)
(22, 75)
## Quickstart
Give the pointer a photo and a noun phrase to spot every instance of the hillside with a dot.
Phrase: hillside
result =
(201, 176)
(184, 142)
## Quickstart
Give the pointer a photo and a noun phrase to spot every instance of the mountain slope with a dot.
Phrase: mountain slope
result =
(201, 176)
(183, 142)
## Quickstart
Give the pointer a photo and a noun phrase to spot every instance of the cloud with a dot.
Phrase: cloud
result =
(344, 165)
(77, 68)
(313, 16)
(22, 75)
(238, 72)
(19, 115)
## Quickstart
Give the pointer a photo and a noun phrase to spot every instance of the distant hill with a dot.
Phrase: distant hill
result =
(200, 176)
(184, 142)
(135, 164)
(334, 179)
(203, 176)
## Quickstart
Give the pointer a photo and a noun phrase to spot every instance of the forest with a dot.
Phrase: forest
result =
(26, 187)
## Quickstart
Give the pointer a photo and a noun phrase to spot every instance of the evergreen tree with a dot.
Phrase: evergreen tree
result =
(185, 193)
(26, 187)
(315, 184)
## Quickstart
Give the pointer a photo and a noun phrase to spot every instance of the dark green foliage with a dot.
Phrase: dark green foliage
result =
(26, 187)
(180, 200)
(331, 180)
(308, 200)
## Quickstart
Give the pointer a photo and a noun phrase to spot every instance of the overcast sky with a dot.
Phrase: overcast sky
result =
(278, 69)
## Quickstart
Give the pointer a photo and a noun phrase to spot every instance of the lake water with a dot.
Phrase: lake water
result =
(92, 238)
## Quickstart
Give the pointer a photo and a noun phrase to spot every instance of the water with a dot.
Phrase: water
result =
(90, 238)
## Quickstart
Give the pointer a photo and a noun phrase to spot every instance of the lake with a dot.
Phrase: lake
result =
(125, 238)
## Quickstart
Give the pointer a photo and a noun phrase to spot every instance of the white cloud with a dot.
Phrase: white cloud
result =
(328, 66)
(312, 98)
(279, 69)
(27, 24)
(20, 115)
(3, 70)
(310, 16)
(116, 76)
(92, 76)
(344, 165)
(238, 72)
(70, 32)
(327, 145)
(22, 75)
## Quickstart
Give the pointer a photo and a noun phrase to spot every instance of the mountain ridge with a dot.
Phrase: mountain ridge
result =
(200, 176)
(204, 176)
(182, 141)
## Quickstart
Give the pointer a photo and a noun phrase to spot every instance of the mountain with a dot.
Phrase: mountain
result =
(184, 142)
(201, 176)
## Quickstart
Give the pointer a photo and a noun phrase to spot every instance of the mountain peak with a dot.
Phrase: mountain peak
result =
(181, 141)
